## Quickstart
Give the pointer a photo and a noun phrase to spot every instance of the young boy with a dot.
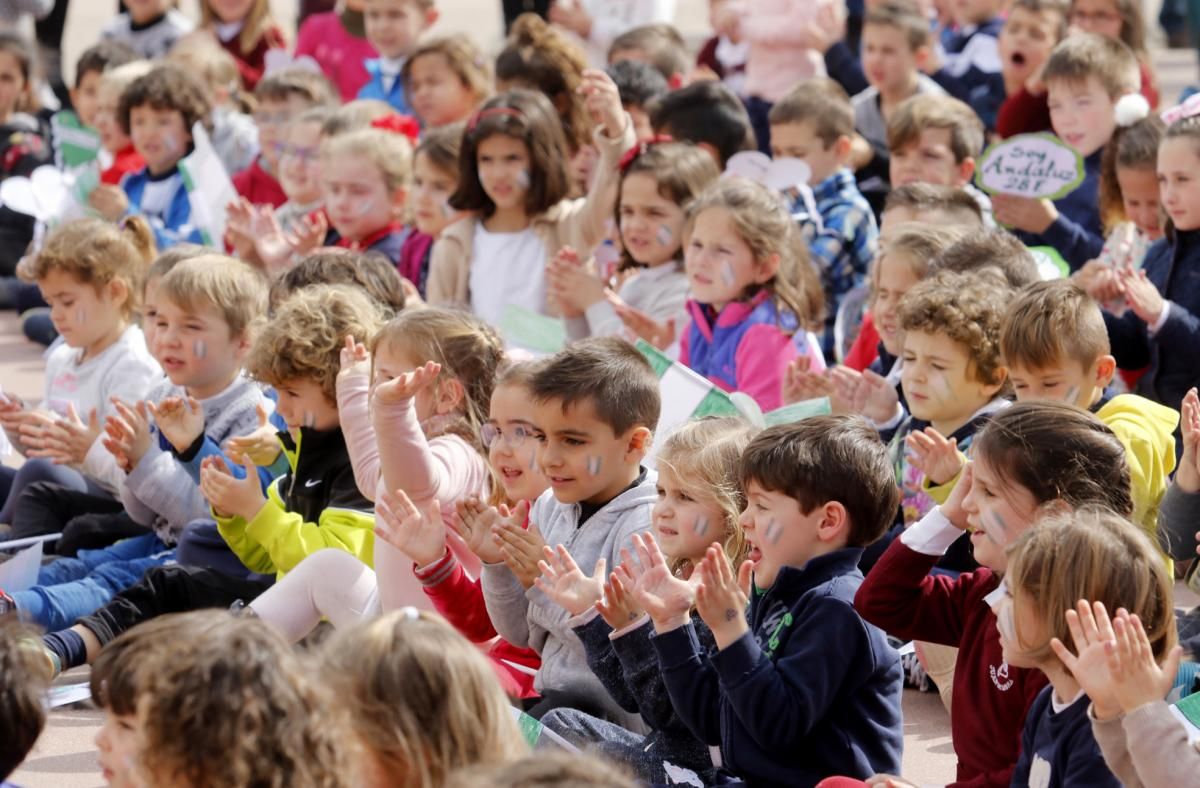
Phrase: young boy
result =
(707, 114)
(640, 87)
(150, 27)
(1032, 30)
(595, 404)
(973, 56)
(1085, 77)
(95, 61)
(125, 158)
(800, 687)
(659, 45)
(815, 123)
(22, 696)
(206, 307)
(393, 27)
(316, 505)
(1055, 345)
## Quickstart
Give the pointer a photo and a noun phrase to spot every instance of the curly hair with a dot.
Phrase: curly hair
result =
(305, 336)
(968, 308)
(542, 58)
(168, 87)
(371, 272)
(96, 252)
(22, 688)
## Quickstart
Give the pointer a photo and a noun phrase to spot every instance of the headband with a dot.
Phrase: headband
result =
(396, 123)
(1188, 109)
(491, 112)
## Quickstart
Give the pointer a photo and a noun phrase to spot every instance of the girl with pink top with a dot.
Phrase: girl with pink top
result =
(337, 40)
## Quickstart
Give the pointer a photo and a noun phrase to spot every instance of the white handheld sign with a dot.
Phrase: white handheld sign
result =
(1030, 165)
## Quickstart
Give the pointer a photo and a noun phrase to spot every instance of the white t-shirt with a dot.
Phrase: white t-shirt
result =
(507, 268)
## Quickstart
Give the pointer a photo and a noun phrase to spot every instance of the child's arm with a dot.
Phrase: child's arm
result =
(843, 67)
(634, 647)
(594, 633)
(353, 400)
(129, 380)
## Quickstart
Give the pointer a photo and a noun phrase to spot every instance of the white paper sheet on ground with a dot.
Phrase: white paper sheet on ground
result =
(20, 572)
(68, 693)
(208, 186)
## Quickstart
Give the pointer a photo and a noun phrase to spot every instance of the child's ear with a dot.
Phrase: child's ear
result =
(117, 291)
(992, 389)
(835, 522)
(1105, 368)
(842, 147)
(639, 442)
(766, 269)
(921, 55)
(449, 395)
(966, 169)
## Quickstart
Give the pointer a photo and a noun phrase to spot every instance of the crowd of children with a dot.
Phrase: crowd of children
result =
(615, 451)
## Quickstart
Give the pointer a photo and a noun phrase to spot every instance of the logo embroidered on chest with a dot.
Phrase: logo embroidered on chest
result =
(1000, 677)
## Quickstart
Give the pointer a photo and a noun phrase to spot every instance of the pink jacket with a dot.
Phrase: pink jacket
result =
(777, 60)
(339, 54)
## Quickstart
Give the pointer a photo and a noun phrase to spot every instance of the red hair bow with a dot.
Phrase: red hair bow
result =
(399, 124)
(641, 147)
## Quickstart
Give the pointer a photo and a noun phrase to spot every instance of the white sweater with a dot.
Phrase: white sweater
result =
(660, 292)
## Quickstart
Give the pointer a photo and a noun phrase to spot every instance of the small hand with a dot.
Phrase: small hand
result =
(68, 441)
(180, 420)
(133, 423)
(1136, 678)
(665, 597)
(1024, 213)
(473, 521)
(228, 495)
(603, 102)
(33, 427)
(952, 509)
(418, 534)
(109, 201)
(800, 383)
(565, 583)
(1092, 634)
(1143, 297)
(572, 284)
(827, 28)
(262, 445)
(1099, 281)
(872, 397)
(618, 608)
(520, 547)
(270, 242)
(354, 359)
(934, 455)
(309, 233)
(572, 16)
(407, 385)
(721, 599)
(1187, 475)
(643, 326)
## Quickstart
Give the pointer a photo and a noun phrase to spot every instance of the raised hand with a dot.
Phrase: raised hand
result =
(109, 201)
(262, 445)
(473, 521)
(618, 608)
(641, 325)
(572, 284)
(407, 385)
(270, 242)
(1187, 475)
(1092, 634)
(67, 441)
(934, 455)
(869, 395)
(827, 28)
(1136, 678)
(603, 102)
(239, 229)
(565, 583)
(309, 233)
(228, 495)
(129, 427)
(180, 420)
(420, 535)
(354, 358)
(665, 597)
(12, 412)
(953, 507)
(1024, 213)
(721, 598)
(1141, 294)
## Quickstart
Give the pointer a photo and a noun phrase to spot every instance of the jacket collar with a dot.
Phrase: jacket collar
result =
(734, 313)
(792, 581)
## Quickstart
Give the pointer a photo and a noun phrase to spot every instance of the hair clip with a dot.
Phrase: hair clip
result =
(631, 155)
(410, 613)
(491, 112)
(1188, 109)
(1131, 108)
(399, 124)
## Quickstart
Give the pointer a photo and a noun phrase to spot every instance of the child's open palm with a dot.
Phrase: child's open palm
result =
(868, 394)
(1136, 678)
(420, 535)
(934, 455)
(262, 445)
(406, 386)
(1143, 297)
(801, 383)
(129, 431)
(566, 584)
(665, 597)
(180, 420)
(1092, 634)
(721, 598)
(572, 285)
(228, 495)
(67, 441)
(618, 607)
(473, 521)
(354, 358)
(520, 546)
(641, 325)
(1187, 476)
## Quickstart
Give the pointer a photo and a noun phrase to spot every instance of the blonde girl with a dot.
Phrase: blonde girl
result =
(1089, 554)
(422, 700)
(435, 178)
(699, 502)
(246, 30)
(364, 178)
(512, 178)
(445, 79)
(1122, 20)
(754, 291)
(90, 273)
(658, 180)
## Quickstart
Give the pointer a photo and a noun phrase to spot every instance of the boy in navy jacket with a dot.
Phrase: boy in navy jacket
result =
(800, 688)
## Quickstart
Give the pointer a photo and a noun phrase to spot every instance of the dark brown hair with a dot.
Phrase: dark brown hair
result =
(22, 690)
(541, 58)
(929, 111)
(823, 103)
(373, 273)
(902, 17)
(608, 372)
(828, 458)
(931, 197)
(103, 56)
(661, 43)
(443, 146)
(705, 113)
(996, 249)
(1133, 147)
(1051, 322)
(526, 116)
(167, 87)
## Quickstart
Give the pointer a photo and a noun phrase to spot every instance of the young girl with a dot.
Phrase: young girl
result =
(699, 501)
(435, 178)
(1028, 456)
(422, 701)
(117, 144)
(364, 175)
(1089, 554)
(90, 273)
(337, 40)
(1122, 20)
(445, 79)
(1161, 329)
(245, 29)
(657, 182)
(754, 292)
(512, 175)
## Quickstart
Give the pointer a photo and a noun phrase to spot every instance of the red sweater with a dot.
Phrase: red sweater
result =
(125, 160)
(259, 186)
(990, 699)
(865, 349)
(251, 64)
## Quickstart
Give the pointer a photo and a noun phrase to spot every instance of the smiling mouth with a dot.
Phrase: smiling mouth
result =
(1017, 59)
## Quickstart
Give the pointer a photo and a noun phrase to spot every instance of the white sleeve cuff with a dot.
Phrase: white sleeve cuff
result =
(1162, 319)
(891, 423)
(932, 534)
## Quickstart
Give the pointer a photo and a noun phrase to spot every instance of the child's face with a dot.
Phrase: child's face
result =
(685, 520)
(800, 141)
(231, 10)
(719, 264)
(998, 511)
(104, 118)
(583, 459)
(512, 449)
(300, 163)
(503, 164)
(82, 314)
(894, 277)
(159, 136)
(651, 225)
(196, 348)
(12, 84)
(1021, 629)
(1067, 380)
(117, 742)
(1096, 16)
(431, 192)
(272, 118)
(930, 159)
(940, 380)
(85, 97)
(150, 315)
(888, 62)
(145, 10)
(393, 26)
(1025, 44)
(302, 403)
(436, 93)
(356, 197)
(779, 534)
(1179, 180)
(1081, 113)
(1139, 194)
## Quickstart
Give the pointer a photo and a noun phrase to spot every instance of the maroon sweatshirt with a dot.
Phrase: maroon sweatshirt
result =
(990, 698)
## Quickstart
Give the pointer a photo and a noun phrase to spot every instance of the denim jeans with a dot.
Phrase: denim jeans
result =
(73, 587)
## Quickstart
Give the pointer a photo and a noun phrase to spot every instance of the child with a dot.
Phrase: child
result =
(815, 123)
(697, 487)
(22, 696)
(245, 29)
(973, 58)
(1032, 30)
(299, 154)
(1159, 330)
(393, 28)
(595, 404)
(1120, 20)
(149, 27)
(511, 174)
(89, 69)
(422, 701)
(597, 24)
(337, 41)
(656, 182)
(1056, 347)
(445, 80)
(1085, 77)
(661, 45)
(707, 114)
(786, 707)
(116, 143)
(435, 179)
(754, 293)
(1027, 456)
(90, 274)
(724, 55)
(1090, 554)
(640, 87)
(364, 180)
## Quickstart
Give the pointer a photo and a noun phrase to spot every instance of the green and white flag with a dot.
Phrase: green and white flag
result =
(208, 186)
(535, 733)
(75, 145)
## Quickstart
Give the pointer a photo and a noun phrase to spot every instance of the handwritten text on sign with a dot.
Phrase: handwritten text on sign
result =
(1030, 165)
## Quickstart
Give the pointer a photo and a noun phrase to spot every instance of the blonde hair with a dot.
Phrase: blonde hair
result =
(254, 26)
(423, 700)
(464, 59)
(390, 152)
(96, 252)
(467, 348)
(919, 244)
(121, 77)
(1096, 555)
(304, 338)
(355, 115)
(1084, 55)
(705, 457)
(236, 290)
(763, 222)
(213, 66)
